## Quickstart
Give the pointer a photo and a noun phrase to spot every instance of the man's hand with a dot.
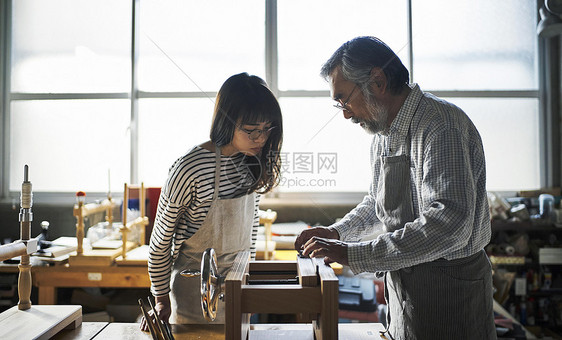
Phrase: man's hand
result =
(322, 241)
(332, 250)
(307, 234)
(162, 307)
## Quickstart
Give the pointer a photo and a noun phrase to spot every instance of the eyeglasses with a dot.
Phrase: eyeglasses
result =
(343, 105)
(255, 134)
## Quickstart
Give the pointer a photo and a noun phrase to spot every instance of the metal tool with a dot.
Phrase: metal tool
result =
(163, 327)
(148, 321)
(168, 331)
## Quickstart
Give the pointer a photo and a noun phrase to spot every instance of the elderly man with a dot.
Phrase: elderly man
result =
(428, 195)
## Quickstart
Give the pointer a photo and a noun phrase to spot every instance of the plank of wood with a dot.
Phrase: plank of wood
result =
(132, 331)
(91, 276)
(280, 299)
(97, 257)
(122, 331)
(326, 327)
(306, 270)
(291, 255)
(237, 324)
(346, 331)
(86, 331)
(38, 322)
(198, 332)
(268, 266)
(272, 270)
(135, 257)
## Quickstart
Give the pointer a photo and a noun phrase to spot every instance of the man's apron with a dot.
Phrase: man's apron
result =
(436, 300)
(228, 229)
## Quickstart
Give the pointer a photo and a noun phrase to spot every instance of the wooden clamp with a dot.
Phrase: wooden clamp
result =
(316, 294)
(82, 210)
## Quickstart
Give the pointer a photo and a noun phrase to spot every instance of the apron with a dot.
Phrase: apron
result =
(436, 300)
(227, 228)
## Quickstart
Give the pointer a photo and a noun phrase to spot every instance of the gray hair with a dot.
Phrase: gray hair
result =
(357, 58)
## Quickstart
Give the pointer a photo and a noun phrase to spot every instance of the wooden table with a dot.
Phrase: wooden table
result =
(48, 279)
(102, 330)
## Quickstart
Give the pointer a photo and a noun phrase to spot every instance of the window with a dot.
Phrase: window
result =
(80, 104)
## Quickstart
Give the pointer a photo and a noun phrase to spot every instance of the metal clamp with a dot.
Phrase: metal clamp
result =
(212, 283)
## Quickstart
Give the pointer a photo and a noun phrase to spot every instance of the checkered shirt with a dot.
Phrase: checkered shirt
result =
(448, 181)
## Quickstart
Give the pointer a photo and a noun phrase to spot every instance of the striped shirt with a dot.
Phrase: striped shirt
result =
(184, 203)
(448, 182)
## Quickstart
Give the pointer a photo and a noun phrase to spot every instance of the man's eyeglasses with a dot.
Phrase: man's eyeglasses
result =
(343, 105)
(255, 134)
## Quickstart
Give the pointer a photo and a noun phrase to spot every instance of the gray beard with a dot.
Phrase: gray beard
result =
(378, 118)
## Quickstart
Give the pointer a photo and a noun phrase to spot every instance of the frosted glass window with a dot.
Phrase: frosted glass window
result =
(322, 151)
(475, 44)
(70, 145)
(71, 46)
(168, 128)
(509, 130)
(310, 31)
(196, 45)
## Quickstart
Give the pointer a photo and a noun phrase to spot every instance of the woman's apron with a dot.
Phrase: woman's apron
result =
(435, 300)
(227, 228)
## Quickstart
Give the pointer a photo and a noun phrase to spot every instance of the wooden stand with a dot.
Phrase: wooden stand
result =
(25, 321)
(82, 210)
(39, 322)
(315, 295)
(106, 257)
(267, 218)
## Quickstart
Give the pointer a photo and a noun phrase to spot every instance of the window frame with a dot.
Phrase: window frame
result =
(271, 71)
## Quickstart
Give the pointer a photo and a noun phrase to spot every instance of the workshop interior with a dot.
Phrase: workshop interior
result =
(98, 99)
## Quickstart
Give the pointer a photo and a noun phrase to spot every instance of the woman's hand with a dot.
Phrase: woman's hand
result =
(162, 307)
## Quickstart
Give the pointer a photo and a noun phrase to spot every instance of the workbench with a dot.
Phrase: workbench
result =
(103, 330)
(48, 279)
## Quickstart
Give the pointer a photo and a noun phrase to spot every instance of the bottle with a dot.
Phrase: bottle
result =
(546, 206)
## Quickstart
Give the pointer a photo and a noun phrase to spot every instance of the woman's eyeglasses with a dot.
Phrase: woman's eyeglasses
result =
(343, 105)
(255, 134)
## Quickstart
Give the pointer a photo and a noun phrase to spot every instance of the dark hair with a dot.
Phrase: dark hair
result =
(357, 58)
(246, 99)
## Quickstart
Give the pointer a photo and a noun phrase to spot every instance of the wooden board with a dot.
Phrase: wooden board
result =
(346, 331)
(105, 331)
(91, 276)
(198, 332)
(291, 255)
(326, 327)
(86, 331)
(97, 257)
(135, 257)
(307, 272)
(280, 299)
(38, 322)
(237, 324)
(123, 331)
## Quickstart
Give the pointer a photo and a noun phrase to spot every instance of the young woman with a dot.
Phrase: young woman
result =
(211, 196)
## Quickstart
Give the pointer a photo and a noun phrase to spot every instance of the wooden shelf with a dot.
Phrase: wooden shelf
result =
(534, 225)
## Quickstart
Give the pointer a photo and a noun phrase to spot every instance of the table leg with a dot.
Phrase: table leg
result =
(47, 295)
